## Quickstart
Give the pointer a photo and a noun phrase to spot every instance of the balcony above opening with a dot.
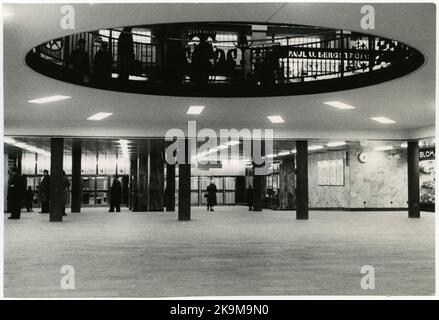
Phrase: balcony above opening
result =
(219, 59)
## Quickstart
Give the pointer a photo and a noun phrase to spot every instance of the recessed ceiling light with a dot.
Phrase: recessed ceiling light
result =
(336, 144)
(339, 105)
(195, 109)
(99, 116)
(383, 148)
(49, 99)
(315, 147)
(382, 120)
(276, 119)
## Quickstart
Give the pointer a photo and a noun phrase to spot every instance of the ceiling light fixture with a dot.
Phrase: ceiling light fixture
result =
(383, 148)
(99, 116)
(383, 120)
(339, 105)
(336, 144)
(404, 145)
(315, 148)
(283, 153)
(276, 119)
(195, 109)
(49, 99)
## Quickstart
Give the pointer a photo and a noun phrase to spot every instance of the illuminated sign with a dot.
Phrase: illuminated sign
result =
(426, 153)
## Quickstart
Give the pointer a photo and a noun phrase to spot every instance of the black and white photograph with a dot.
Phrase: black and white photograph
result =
(218, 150)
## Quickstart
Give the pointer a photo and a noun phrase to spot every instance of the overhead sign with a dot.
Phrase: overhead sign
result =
(426, 153)
(333, 54)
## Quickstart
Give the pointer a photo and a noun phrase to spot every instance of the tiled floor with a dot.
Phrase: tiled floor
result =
(231, 252)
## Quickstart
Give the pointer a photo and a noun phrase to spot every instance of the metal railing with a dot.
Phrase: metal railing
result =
(276, 61)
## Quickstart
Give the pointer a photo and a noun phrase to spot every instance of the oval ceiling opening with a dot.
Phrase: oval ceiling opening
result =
(224, 59)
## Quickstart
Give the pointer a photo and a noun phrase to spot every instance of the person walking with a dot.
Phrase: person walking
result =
(15, 193)
(250, 198)
(29, 198)
(65, 192)
(115, 195)
(45, 192)
(211, 195)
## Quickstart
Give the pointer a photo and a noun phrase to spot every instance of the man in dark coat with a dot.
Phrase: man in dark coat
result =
(79, 62)
(201, 65)
(102, 65)
(125, 51)
(45, 192)
(250, 198)
(115, 195)
(211, 195)
(16, 191)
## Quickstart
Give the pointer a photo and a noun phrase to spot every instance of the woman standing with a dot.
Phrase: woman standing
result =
(211, 195)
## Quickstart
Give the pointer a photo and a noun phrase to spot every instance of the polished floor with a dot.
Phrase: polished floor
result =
(227, 253)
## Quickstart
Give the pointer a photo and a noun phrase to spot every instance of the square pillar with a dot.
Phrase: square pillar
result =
(170, 187)
(184, 185)
(413, 179)
(286, 183)
(142, 183)
(56, 179)
(134, 203)
(302, 180)
(76, 176)
(156, 182)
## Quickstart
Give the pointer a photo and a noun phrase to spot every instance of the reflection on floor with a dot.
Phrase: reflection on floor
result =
(229, 252)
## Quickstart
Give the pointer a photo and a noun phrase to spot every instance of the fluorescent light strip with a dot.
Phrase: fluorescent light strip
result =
(336, 144)
(49, 99)
(383, 148)
(99, 116)
(283, 153)
(339, 105)
(195, 109)
(383, 120)
(276, 119)
(270, 156)
(404, 145)
(315, 148)
(25, 146)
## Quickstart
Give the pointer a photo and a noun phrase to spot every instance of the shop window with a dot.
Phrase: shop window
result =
(330, 172)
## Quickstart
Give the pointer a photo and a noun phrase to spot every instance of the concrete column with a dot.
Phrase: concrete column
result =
(18, 160)
(286, 183)
(302, 180)
(76, 176)
(413, 179)
(258, 147)
(142, 183)
(56, 179)
(156, 182)
(170, 187)
(134, 203)
(184, 185)
(257, 192)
